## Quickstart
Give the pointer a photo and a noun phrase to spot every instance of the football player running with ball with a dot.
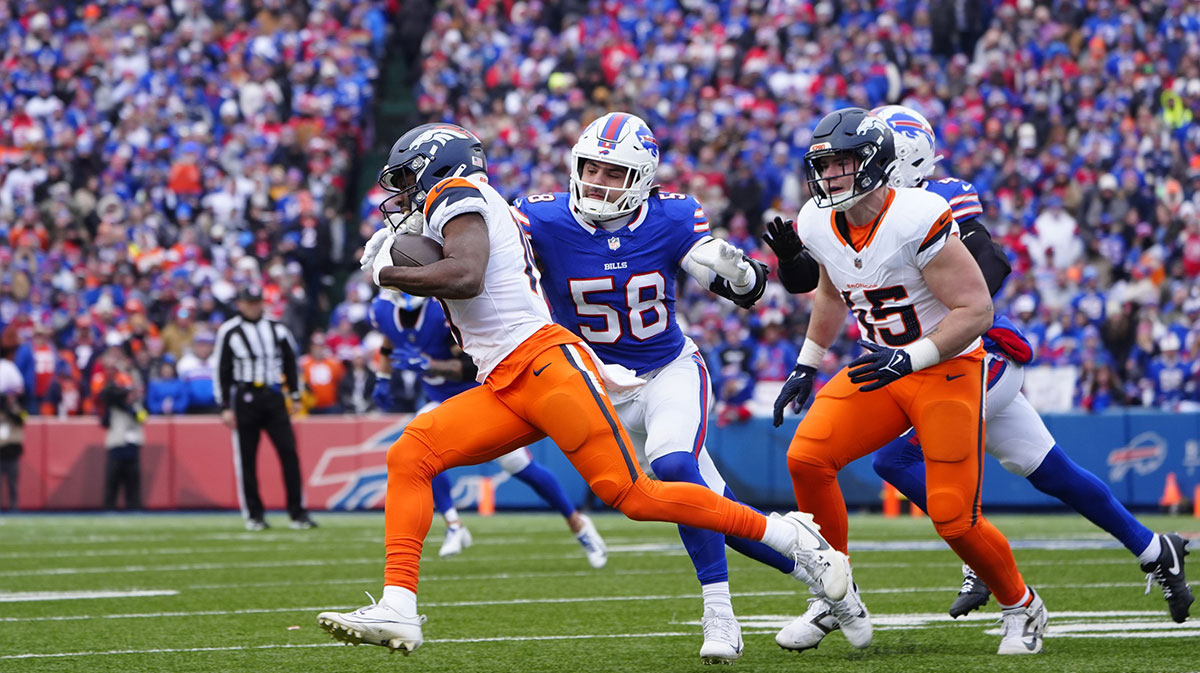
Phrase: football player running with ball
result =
(893, 256)
(539, 380)
(610, 251)
(418, 339)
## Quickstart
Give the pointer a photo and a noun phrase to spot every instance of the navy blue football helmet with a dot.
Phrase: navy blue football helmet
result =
(852, 131)
(421, 158)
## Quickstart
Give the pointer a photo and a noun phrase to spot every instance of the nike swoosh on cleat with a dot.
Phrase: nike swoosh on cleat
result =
(824, 544)
(1174, 569)
(539, 371)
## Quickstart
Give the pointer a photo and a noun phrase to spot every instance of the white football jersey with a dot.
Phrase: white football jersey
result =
(882, 284)
(511, 306)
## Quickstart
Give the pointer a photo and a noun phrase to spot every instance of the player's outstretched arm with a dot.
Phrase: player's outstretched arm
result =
(727, 271)
(955, 279)
(459, 275)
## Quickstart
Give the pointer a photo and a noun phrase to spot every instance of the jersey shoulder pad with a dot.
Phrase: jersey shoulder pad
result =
(449, 192)
(535, 212)
(960, 194)
(683, 209)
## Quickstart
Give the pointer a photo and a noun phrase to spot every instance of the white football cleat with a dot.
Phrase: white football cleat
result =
(823, 617)
(593, 545)
(375, 624)
(1023, 628)
(817, 563)
(809, 629)
(722, 638)
(457, 539)
(853, 619)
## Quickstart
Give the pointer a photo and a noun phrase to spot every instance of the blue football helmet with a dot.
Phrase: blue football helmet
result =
(419, 160)
(866, 139)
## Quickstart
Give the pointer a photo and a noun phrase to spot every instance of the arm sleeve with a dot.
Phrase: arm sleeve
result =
(987, 253)
(800, 274)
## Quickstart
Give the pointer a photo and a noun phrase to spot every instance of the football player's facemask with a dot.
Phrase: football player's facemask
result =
(915, 143)
(617, 141)
(419, 160)
(848, 156)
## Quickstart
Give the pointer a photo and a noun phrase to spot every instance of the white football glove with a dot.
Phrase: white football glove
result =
(383, 257)
(371, 249)
(412, 222)
(726, 260)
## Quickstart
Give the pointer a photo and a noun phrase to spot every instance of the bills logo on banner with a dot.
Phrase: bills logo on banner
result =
(1144, 454)
(359, 474)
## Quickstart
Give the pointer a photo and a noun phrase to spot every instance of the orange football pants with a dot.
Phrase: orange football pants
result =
(945, 405)
(549, 386)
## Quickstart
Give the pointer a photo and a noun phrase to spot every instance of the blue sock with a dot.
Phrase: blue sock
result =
(901, 463)
(756, 550)
(543, 482)
(706, 548)
(441, 493)
(1060, 477)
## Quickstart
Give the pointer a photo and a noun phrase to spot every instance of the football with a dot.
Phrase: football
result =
(415, 250)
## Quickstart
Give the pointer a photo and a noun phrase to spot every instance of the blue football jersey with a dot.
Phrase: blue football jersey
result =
(616, 289)
(430, 335)
(960, 194)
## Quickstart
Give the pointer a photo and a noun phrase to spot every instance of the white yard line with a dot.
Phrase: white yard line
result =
(35, 596)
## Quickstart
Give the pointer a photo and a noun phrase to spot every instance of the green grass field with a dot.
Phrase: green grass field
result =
(196, 593)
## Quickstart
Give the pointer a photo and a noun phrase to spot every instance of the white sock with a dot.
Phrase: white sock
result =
(401, 600)
(716, 596)
(1152, 550)
(779, 536)
(451, 517)
(1025, 598)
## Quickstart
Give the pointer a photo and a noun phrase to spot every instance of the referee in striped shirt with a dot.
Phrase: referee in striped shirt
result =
(254, 356)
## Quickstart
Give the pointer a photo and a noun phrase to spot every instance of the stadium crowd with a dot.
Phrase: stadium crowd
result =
(155, 157)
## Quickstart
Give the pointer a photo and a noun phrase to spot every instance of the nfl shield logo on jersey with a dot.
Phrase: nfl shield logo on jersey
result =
(614, 243)
(858, 262)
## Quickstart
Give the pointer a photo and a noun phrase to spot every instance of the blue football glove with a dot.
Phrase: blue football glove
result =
(410, 359)
(382, 394)
(796, 389)
(879, 366)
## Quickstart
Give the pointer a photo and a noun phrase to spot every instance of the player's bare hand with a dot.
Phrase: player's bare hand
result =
(796, 390)
(228, 418)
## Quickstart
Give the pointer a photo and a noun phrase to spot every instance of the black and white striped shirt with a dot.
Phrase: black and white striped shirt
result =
(260, 353)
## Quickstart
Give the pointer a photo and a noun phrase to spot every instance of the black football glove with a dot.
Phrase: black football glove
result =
(796, 389)
(879, 367)
(720, 286)
(783, 239)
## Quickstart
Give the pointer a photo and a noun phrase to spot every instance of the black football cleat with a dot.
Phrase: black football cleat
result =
(973, 595)
(1167, 570)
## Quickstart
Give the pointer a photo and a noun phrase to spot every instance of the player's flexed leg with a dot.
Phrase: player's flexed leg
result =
(609, 250)
(538, 381)
(894, 258)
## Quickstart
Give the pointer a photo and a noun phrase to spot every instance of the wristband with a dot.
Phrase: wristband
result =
(811, 354)
(923, 353)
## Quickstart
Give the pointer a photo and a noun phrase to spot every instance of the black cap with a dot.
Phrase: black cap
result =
(251, 293)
